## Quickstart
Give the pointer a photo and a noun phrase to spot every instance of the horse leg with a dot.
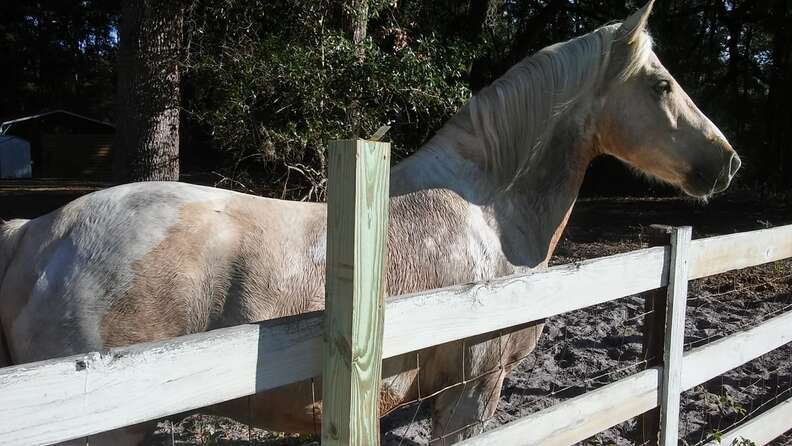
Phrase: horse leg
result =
(469, 375)
(461, 412)
(294, 408)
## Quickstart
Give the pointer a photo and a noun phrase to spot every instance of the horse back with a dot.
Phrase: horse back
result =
(144, 262)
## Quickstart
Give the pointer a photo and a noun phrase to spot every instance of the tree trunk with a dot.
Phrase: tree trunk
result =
(146, 146)
(779, 114)
(355, 19)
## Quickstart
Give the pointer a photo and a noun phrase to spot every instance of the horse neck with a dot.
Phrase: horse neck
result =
(530, 214)
(533, 213)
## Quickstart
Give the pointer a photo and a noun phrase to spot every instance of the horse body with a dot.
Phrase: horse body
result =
(487, 196)
(220, 258)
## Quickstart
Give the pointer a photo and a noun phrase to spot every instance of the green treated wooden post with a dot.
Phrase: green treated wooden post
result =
(357, 218)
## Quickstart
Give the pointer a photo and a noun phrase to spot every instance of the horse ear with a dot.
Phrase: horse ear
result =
(635, 24)
(626, 40)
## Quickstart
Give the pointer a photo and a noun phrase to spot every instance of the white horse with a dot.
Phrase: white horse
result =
(488, 195)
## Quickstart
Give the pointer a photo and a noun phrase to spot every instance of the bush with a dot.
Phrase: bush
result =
(272, 100)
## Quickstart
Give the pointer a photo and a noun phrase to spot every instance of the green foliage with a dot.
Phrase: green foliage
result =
(266, 83)
(272, 100)
(725, 403)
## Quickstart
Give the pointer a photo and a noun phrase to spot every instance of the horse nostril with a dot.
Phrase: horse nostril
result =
(734, 165)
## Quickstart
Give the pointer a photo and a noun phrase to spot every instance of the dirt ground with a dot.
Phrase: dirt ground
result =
(586, 349)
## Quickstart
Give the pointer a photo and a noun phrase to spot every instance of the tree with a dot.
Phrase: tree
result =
(354, 18)
(58, 54)
(147, 121)
(265, 84)
(779, 114)
(355, 21)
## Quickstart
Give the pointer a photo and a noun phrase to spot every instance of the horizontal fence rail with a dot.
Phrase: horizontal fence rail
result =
(66, 398)
(72, 397)
(716, 255)
(421, 320)
(586, 415)
(760, 430)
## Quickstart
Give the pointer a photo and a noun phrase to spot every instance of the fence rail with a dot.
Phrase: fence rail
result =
(61, 399)
(761, 430)
(67, 398)
(581, 417)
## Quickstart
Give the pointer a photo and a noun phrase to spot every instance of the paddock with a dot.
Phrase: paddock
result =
(73, 397)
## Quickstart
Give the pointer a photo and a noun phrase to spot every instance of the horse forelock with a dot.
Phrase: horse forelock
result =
(513, 119)
(641, 51)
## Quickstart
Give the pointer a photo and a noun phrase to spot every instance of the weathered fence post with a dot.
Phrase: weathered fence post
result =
(357, 217)
(664, 335)
(653, 328)
(676, 303)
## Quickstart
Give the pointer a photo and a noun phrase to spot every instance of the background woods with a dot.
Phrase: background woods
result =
(265, 84)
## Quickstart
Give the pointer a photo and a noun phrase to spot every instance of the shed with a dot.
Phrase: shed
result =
(63, 144)
(14, 157)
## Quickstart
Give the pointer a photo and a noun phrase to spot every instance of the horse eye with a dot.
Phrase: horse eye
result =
(662, 87)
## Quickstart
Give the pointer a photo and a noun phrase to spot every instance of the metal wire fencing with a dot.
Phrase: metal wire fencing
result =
(577, 352)
(583, 350)
(717, 307)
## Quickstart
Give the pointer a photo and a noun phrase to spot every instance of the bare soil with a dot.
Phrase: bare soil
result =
(586, 349)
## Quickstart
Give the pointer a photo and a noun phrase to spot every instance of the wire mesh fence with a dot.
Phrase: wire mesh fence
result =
(579, 352)
(583, 350)
(717, 307)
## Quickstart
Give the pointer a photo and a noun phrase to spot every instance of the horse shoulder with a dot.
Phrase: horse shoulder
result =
(437, 239)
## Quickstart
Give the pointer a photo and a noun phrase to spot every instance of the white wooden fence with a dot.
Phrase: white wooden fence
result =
(67, 398)
(72, 397)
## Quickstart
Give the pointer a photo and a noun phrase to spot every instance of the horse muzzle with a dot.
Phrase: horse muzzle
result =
(727, 173)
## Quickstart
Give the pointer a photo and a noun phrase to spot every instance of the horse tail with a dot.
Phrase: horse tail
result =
(11, 233)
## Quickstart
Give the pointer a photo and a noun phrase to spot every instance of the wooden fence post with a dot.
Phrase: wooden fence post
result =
(664, 334)
(357, 218)
(653, 328)
(676, 303)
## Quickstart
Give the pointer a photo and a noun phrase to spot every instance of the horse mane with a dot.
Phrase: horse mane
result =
(508, 124)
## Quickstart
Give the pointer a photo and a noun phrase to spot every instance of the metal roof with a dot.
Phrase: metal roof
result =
(4, 126)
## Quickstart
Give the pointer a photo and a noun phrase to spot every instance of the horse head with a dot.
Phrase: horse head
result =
(647, 120)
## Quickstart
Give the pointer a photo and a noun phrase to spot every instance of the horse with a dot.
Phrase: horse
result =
(488, 195)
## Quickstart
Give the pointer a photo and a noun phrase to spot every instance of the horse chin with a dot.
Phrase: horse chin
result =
(702, 192)
(701, 185)
(697, 192)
